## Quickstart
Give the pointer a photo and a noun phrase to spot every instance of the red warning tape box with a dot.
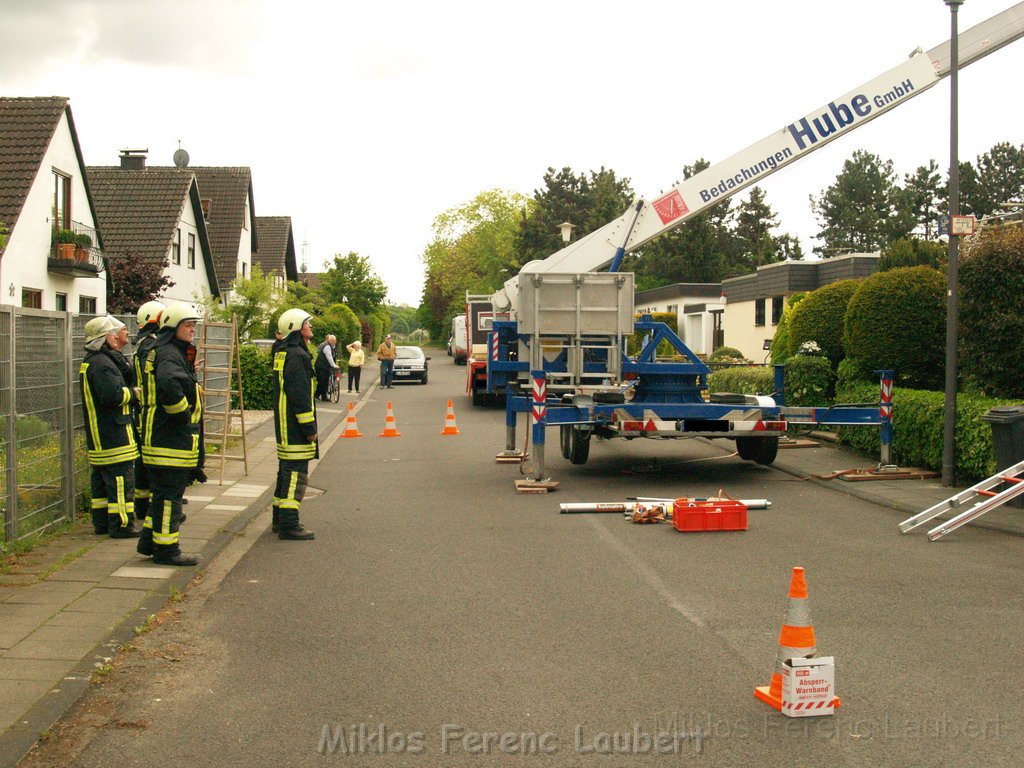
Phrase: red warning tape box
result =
(700, 515)
(809, 687)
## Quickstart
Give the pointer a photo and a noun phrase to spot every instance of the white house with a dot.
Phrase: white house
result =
(276, 256)
(698, 307)
(227, 199)
(44, 193)
(754, 302)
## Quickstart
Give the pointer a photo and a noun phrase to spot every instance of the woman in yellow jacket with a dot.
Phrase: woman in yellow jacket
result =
(356, 358)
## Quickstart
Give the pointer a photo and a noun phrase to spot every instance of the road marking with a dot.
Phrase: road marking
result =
(646, 573)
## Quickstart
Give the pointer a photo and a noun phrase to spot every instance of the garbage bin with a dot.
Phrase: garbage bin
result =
(1007, 438)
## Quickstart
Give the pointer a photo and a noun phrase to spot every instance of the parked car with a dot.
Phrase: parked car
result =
(411, 364)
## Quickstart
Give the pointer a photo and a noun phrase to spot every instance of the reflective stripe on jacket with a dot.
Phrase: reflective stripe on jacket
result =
(173, 416)
(107, 402)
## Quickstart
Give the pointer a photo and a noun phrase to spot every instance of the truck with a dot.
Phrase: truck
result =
(557, 345)
(480, 317)
(459, 346)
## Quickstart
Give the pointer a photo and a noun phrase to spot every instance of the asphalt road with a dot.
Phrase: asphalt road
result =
(438, 612)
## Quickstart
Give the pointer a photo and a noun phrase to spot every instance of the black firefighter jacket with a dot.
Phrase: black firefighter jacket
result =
(107, 399)
(172, 420)
(294, 413)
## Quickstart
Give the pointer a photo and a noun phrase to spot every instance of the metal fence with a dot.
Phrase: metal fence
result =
(42, 439)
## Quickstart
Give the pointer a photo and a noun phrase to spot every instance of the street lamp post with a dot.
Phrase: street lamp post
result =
(566, 229)
(952, 268)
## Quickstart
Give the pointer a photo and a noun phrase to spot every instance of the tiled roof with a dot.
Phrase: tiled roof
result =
(227, 189)
(27, 126)
(139, 210)
(310, 280)
(277, 246)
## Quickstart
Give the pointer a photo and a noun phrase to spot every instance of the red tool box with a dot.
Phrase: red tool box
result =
(693, 515)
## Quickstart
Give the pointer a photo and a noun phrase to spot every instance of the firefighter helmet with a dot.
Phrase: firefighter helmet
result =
(177, 313)
(99, 327)
(292, 320)
(150, 312)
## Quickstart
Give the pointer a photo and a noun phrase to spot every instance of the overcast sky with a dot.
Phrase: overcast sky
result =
(364, 120)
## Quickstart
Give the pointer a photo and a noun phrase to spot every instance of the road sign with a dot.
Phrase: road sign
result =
(962, 225)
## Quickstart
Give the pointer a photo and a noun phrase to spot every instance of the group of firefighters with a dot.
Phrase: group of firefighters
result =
(144, 425)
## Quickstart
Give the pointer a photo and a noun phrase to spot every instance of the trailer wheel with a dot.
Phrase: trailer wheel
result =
(479, 398)
(762, 450)
(575, 443)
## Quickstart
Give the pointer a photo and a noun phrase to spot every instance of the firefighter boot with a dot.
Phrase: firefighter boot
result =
(275, 519)
(290, 527)
(120, 530)
(144, 546)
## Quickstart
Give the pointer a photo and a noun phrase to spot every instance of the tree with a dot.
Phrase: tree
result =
(3, 236)
(1000, 178)
(923, 195)
(132, 281)
(864, 209)
(752, 243)
(253, 300)
(912, 252)
(350, 280)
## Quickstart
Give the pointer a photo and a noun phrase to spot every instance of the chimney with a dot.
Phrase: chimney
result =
(133, 159)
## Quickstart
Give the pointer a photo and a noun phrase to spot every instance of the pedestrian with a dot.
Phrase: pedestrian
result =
(148, 316)
(386, 353)
(108, 397)
(294, 421)
(172, 447)
(325, 366)
(356, 358)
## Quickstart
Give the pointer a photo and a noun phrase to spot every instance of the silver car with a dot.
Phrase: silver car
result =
(411, 364)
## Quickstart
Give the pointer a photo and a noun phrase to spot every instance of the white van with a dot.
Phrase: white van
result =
(460, 340)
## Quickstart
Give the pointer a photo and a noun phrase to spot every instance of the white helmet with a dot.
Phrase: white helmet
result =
(99, 327)
(292, 320)
(177, 313)
(150, 312)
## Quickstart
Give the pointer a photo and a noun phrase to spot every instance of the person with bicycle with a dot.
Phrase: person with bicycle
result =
(325, 366)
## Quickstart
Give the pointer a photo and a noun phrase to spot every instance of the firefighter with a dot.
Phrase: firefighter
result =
(172, 446)
(149, 322)
(294, 420)
(107, 399)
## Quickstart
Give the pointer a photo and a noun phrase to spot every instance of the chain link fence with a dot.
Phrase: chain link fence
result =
(42, 439)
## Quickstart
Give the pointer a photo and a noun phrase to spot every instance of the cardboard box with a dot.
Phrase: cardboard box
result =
(809, 687)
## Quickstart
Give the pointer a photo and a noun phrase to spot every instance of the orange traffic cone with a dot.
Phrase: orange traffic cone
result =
(390, 428)
(795, 641)
(351, 428)
(450, 428)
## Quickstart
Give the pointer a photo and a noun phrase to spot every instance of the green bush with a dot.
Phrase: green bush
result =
(339, 320)
(819, 318)
(809, 381)
(918, 418)
(780, 341)
(992, 312)
(31, 431)
(897, 320)
(257, 377)
(912, 252)
(755, 380)
(727, 355)
(633, 341)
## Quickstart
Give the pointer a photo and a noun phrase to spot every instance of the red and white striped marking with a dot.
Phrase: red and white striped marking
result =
(886, 394)
(540, 393)
(494, 346)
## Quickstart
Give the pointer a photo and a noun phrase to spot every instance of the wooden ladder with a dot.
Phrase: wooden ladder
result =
(221, 371)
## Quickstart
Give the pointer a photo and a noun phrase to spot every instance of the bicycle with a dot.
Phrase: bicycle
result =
(334, 387)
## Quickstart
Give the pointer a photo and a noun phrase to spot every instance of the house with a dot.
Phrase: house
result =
(156, 215)
(276, 255)
(45, 197)
(754, 303)
(698, 307)
(227, 200)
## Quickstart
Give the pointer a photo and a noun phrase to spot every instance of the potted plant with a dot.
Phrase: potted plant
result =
(65, 240)
(82, 245)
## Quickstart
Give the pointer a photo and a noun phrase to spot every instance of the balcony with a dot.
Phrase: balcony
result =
(75, 259)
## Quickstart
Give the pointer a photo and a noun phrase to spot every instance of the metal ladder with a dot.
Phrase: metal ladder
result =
(983, 497)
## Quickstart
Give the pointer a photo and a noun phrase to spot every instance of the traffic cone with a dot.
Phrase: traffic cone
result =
(351, 428)
(450, 428)
(795, 641)
(390, 428)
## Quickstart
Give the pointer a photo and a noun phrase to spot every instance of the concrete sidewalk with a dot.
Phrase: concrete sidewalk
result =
(68, 612)
(66, 621)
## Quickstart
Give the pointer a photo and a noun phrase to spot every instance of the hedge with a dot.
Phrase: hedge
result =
(780, 341)
(257, 377)
(743, 380)
(918, 418)
(819, 318)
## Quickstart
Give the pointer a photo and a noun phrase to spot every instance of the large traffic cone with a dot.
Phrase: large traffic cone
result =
(450, 428)
(795, 641)
(390, 428)
(351, 428)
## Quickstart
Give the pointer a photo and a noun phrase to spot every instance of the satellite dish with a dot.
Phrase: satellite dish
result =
(181, 158)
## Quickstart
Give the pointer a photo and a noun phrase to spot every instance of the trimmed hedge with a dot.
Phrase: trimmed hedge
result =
(743, 380)
(809, 381)
(819, 318)
(992, 312)
(897, 320)
(257, 377)
(339, 320)
(780, 351)
(918, 417)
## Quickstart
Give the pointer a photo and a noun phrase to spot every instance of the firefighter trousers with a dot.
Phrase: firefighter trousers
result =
(113, 497)
(292, 479)
(142, 493)
(167, 486)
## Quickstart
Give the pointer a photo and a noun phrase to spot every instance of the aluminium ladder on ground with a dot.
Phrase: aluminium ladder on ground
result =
(982, 498)
(221, 370)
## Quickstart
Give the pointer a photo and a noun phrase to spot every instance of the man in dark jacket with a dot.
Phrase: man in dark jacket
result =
(294, 421)
(149, 322)
(108, 396)
(172, 429)
(325, 365)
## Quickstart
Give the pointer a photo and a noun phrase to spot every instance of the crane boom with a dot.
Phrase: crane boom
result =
(646, 220)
